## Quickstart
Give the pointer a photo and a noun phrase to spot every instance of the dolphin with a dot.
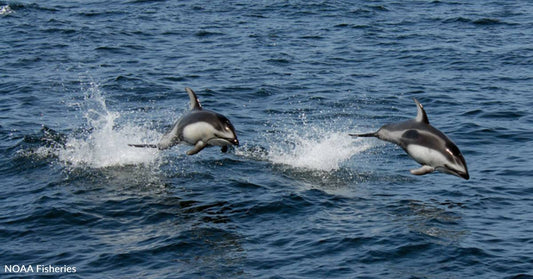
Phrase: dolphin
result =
(198, 127)
(425, 144)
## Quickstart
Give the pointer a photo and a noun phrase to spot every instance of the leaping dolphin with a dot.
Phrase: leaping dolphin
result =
(425, 144)
(198, 127)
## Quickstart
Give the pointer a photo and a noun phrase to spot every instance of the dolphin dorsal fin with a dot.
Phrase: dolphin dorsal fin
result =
(195, 103)
(421, 115)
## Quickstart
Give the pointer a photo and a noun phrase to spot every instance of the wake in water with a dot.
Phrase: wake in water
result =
(104, 143)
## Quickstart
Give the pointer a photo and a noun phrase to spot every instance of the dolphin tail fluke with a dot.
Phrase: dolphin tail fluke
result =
(143, 145)
(373, 134)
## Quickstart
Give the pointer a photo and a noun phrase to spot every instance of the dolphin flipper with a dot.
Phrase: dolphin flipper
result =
(423, 170)
(197, 148)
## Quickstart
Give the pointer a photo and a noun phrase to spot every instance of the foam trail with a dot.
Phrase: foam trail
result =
(104, 144)
(323, 151)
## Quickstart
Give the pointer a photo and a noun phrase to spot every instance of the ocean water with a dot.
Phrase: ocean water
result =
(79, 80)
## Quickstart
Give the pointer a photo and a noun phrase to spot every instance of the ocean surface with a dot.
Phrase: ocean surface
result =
(299, 198)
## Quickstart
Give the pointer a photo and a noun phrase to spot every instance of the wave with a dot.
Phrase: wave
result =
(479, 22)
(14, 7)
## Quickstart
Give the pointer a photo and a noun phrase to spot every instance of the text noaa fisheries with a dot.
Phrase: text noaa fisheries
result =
(40, 268)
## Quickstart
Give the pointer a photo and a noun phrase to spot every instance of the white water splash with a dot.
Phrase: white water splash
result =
(308, 146)
(105, 144)
(6, 10)
(324, 153)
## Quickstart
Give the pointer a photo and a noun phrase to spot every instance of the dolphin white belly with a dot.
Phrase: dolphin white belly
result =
(194, 132)
(426, 156)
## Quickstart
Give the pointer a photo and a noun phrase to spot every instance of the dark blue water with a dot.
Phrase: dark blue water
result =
(299, 198)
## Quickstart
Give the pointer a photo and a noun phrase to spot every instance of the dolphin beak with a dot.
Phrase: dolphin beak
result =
(235, 141)
(464, 172)
(460, 173)
(464, 175)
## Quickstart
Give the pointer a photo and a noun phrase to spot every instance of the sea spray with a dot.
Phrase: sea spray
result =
(325, 152)
(305, 145)
(104, 143)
